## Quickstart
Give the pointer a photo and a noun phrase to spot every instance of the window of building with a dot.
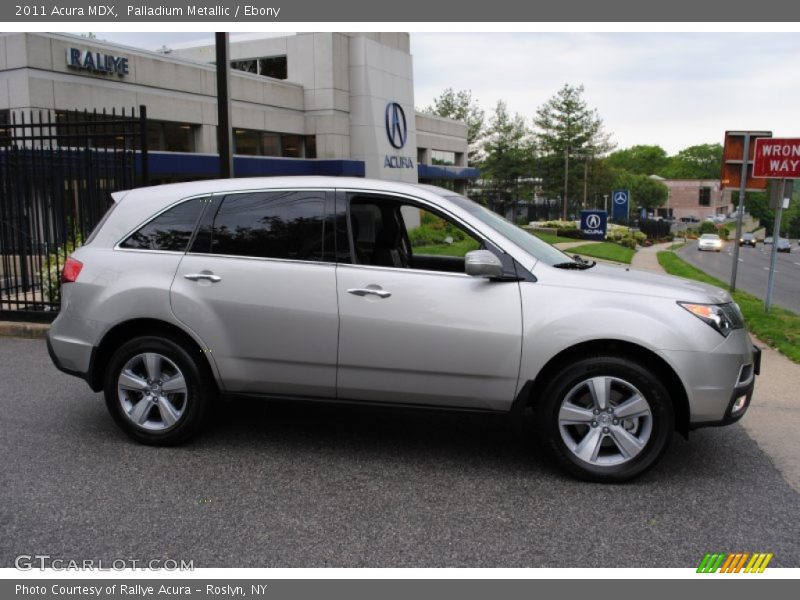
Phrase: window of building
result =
(269, 66)
(170, 231)
(266, 143)
(273, 66)
(705, 196)
(169, 136)
(270, 144)
(246, 141)
(292, 146)
(311, 146)
(288, 225)
(248, 66)
(5, 133)
(442, 157)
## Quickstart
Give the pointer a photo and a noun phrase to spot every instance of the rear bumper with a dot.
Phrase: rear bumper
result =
(58, 364)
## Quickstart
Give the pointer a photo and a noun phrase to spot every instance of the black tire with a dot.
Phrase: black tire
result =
(195, 402)
(662, 419)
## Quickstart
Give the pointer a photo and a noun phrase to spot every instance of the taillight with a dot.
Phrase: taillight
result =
(72, 268)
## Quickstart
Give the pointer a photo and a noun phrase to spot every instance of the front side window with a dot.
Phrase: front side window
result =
(287, 225)
(387, 232)
(169, 231)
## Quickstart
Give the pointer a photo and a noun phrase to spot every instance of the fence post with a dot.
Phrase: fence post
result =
(143, 145)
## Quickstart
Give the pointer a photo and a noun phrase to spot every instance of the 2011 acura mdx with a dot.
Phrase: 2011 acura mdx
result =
(355, 290)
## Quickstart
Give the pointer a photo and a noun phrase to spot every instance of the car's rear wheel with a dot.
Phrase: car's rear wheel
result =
(605, 419)
(156, 391)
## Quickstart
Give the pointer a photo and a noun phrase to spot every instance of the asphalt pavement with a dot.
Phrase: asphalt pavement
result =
(753, 271)
(295, 485)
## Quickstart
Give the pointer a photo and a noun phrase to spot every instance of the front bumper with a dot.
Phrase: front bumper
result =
(740, 398)
(714, 380)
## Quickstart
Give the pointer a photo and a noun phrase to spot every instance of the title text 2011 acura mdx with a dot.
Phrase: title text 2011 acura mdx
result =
(356, 290)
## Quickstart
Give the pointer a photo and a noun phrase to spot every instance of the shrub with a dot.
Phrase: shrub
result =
(50, 276)
(707, 227)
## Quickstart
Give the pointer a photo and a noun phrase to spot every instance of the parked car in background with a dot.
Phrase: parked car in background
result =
(784, 245)
(346, 290)
(747, 239)
(768, 239)
(709, 241)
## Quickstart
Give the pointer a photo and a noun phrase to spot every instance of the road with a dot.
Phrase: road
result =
(290, 485)
(753, 270)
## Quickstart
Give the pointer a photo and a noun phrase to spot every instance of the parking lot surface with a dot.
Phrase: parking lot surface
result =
(297, 485)
(753, 271)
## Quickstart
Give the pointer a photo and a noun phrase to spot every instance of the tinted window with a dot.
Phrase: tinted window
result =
(171, 230)
(265, 224)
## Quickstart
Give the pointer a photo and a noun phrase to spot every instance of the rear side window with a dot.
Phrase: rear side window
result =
(288, 225)
(171, 230)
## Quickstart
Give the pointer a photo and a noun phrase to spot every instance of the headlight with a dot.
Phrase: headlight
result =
(722, 317)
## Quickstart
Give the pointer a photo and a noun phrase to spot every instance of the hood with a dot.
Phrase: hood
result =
(624, 280)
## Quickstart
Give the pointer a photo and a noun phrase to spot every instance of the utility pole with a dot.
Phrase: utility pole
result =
(224, 134)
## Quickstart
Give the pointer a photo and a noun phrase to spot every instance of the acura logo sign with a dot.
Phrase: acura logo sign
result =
(593, 221)
(396, 125)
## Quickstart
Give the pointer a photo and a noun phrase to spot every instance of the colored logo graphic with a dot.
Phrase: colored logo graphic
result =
(396, 125)
(739, 562)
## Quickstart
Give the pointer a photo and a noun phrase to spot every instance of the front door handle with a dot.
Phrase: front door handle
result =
(207, 276)
(365, 291)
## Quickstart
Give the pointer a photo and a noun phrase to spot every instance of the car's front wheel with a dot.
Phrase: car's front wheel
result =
(605, 419)
(156, 391)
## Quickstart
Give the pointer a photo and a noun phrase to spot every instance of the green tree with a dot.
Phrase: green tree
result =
(641, 159)
(508, 156)
(569, 134)
(461, 106)
(646, 192)
(695, 162)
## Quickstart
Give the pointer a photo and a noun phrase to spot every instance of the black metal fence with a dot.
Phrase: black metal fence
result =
(654, 229)
(57, 171)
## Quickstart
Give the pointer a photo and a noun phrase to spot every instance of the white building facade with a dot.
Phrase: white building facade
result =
(308, 103)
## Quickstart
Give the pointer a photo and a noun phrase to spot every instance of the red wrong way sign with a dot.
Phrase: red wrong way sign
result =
(777, 158)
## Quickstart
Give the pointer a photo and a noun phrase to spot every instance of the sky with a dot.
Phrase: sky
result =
(670, 89)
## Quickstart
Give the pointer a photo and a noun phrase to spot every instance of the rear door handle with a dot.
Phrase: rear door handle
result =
(369, 291)
(207, 276)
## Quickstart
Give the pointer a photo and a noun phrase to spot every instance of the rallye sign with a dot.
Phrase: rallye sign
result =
(97, 62)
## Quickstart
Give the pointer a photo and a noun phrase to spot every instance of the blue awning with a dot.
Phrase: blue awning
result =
(207, 165)
(446, 172)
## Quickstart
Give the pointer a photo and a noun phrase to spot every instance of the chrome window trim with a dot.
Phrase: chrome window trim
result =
(264, 258)
(402, 270)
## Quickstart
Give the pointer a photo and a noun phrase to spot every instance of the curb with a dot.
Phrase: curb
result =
(19, 329)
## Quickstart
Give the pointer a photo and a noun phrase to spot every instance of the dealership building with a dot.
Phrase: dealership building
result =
(303, 104)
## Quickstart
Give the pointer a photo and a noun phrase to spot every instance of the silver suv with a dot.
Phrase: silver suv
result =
(354, 290)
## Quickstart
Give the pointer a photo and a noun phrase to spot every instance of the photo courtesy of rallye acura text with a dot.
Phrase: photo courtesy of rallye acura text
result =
(333, 289)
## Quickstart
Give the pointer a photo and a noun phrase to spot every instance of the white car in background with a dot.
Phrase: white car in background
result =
(709, 241)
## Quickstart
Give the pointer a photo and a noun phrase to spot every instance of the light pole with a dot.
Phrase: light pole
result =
(605, 202)
(566, 182)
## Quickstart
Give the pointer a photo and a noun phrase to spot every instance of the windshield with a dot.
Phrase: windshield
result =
(528, 242)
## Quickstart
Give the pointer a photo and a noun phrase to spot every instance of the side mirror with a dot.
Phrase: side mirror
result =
(482, 263)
